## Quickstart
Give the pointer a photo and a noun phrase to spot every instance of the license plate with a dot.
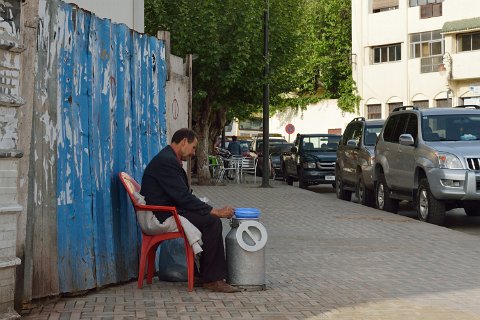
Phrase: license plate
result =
(330, 178)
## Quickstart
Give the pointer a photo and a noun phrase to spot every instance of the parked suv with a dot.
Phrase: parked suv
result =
(431, 157)
(355, 155)
(311, 160)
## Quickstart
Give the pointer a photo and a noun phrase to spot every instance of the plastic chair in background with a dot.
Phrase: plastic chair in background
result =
(214, 165)
(150, 243)
(249, 164)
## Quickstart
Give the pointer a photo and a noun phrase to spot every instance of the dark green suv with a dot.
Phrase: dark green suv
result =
(355, 155)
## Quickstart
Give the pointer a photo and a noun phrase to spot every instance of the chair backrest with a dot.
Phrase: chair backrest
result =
(236, 161)
(130, 185)
(248, 163)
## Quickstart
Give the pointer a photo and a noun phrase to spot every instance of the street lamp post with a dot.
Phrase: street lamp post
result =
(266, 97)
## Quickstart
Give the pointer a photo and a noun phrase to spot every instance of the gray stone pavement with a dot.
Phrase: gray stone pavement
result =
(325, 259)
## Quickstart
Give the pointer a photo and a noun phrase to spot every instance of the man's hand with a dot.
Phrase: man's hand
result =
(225, 212)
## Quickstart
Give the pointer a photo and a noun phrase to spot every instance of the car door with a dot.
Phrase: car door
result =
(390, 150)
(407, 156)
(351, 153)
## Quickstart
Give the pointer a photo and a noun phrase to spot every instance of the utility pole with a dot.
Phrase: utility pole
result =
(266, 98)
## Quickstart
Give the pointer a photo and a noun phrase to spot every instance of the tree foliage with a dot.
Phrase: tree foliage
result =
(309, 50)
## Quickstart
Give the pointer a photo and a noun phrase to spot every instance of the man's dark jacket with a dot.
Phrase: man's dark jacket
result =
(165, 183)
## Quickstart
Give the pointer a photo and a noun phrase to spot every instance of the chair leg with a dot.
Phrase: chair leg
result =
(143, 262)
(190, 266)
(151, 263)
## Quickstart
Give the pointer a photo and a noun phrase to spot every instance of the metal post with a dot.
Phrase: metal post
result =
(266, 97)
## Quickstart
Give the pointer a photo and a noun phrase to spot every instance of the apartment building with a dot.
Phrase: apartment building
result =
(415, 52)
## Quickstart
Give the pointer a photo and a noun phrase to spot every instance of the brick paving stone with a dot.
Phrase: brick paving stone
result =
(325, 259)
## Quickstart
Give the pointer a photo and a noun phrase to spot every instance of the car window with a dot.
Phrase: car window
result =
(451, 127)
(395, 127)
(348, 134)
(280, 148)
(320, 143)
(412, 126)
(371, 134)
(400, 126)
(389, 128)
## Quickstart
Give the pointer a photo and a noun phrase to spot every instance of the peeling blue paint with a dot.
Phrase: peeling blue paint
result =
(110, 107)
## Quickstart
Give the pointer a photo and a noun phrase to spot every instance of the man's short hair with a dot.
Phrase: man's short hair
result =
(183, 133)
(234, 138)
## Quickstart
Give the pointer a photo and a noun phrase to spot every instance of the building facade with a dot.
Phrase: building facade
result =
(415, 52)
(129, 12)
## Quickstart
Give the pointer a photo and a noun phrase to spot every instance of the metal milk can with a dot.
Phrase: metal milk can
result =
(245, 250)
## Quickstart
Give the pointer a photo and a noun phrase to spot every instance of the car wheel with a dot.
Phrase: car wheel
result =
(382, 198)
(472, 210)
(429, 209)
(289, 180)
(302, 184)
(341, 193)
(365, 196)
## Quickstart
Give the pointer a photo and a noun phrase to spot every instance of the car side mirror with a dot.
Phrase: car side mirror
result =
(293, 150)
(406, 139)
(352, 143)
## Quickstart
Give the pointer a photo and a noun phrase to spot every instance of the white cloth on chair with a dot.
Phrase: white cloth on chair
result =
(151, 226)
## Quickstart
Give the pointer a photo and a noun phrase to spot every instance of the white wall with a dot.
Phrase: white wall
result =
(402, 79)
(317, 118)
(176, 97)
(130, 12)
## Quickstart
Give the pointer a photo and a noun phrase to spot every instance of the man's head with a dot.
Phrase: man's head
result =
(234, 138)
(184, 143)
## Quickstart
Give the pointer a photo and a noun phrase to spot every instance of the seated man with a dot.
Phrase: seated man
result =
(165, 183)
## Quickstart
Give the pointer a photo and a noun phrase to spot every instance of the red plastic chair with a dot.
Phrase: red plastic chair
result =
(151, 243)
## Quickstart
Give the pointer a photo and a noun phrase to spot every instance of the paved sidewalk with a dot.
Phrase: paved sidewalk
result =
(325, 259)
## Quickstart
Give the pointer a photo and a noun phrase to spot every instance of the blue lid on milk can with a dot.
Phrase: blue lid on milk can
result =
(247, 213)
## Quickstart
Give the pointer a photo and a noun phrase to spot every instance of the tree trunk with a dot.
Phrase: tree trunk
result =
(217, 123)
(202, 129)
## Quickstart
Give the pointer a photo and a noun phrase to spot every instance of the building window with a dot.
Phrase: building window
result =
(429, 46)
(416, 3)
(394, 105)
(426, 44)
(423, 104)
(442, 103)
(431, 10)
(384, 5)
(431, 64)
(468, 42)
(374, 111)
(387, 53)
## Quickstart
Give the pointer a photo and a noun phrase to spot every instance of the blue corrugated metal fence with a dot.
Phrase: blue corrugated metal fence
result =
(110, 117)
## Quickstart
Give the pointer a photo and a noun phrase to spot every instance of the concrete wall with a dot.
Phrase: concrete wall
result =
(130, 12)
(177, 96)
(317, 118)
(11, 103)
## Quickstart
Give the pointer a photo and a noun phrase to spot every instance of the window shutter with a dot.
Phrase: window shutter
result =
(379, 4)
(437, 10)
(426, 11)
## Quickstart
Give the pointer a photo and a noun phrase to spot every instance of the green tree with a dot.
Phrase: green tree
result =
(228, 78)
(333, 20)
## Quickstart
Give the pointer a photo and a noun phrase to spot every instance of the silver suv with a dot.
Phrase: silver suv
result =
(431, 157)
(355, 154)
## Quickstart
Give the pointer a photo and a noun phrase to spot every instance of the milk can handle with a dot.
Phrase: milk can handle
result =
(247, 227)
